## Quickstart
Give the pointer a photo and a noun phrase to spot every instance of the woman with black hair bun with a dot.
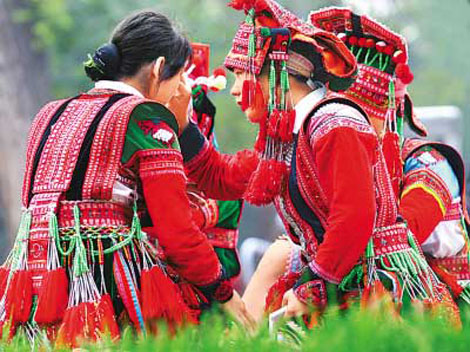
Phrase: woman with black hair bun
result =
(106, 234)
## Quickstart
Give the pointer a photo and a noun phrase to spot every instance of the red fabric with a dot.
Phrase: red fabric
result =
(220, 176)
(185, 246)
(344, 158)
(422, 213)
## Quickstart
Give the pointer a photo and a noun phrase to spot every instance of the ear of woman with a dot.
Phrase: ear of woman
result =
(158, 68)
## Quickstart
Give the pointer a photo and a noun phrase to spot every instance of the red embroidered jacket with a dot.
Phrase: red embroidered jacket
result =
(333, 177)
(96, 149)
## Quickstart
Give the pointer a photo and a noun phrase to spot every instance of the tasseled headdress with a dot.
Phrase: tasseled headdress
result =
(266, 38)
(384, 73)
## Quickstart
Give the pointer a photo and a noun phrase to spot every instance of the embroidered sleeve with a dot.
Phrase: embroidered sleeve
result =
(151, 127)
(344, 157)
(311, 289)
(425, 198)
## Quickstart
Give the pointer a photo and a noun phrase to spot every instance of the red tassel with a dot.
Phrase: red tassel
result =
(4, 272)
(191, 295)
(53, 298)
(106, 318)
(392, 155)
(248, 91)
(286, 126)
(259, 101)
(266, 182)
(79, 325)
(150, 288)
(19, 297)
(273, 124)
(172, 307)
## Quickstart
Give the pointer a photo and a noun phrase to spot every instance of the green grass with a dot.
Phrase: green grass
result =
(354, 331)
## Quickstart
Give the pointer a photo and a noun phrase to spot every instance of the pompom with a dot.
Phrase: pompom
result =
(404, 73)
(362, 42)
(370, 43)
(246, 5)
(219, 71)
(389, 50)
(399, 57)
(380, 46)
(343, 37)
(353, 40)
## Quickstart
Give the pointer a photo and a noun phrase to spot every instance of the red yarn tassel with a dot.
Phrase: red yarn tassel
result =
(155, 283)
(53, 297)
(4, 273)
(79, 325)
(248, 91)
(273, 124)
(19, 297)
(259, 101)
(106, 318)
(191, 295)
(151, 284)
(266, 182)
(392, 155)
(286, 125)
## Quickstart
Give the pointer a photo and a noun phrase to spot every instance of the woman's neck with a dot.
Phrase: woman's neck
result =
(298, 91)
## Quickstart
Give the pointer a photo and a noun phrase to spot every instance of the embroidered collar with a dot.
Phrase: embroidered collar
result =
(119, 86)
(305, 106)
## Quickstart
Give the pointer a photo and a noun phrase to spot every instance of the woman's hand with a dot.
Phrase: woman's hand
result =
(181, 105)
(236, 307)
(295, 307)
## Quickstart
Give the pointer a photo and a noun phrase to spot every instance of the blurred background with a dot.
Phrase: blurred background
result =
(44, 42)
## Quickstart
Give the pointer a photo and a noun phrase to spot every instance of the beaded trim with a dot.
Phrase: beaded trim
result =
(431, 183)
(40, 123)
(222, 238)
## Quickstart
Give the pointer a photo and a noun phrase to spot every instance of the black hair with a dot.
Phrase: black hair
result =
(138, 40)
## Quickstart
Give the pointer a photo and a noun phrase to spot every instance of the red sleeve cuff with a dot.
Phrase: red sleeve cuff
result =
(330, 277)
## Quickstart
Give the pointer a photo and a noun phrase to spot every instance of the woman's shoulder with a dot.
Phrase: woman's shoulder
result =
(334, 115)
(150, 112)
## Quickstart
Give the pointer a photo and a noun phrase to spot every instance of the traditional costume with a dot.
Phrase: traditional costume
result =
(218, 219)
(320, 162)
(431, 190)
(106, 232)
(433, 204)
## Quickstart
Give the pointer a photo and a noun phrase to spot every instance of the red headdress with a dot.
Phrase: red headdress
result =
(384, 73)
(382, 57)
(266, 37)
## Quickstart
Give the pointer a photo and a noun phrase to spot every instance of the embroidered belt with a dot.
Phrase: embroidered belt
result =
(458, 265)
(223, 238)
(390, 239)
(453, 212)
(95, 214)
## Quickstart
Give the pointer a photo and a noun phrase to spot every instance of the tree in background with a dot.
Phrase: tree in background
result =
(24, 86)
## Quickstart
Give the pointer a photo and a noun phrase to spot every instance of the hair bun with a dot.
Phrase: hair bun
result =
(104, 64)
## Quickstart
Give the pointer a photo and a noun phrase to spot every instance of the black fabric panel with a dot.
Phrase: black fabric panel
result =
(78, 177)
(356, 24)
(300, 205)
(42, 144)
(191, 142)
